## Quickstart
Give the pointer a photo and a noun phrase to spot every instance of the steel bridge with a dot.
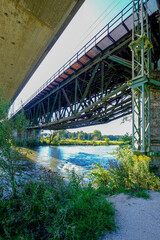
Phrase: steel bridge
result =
(110, 77)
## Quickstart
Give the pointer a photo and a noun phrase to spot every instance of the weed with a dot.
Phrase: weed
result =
(43, 210)
(130, 174)
(142, 194)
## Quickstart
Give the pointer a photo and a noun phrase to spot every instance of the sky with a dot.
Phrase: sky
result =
(91, 17)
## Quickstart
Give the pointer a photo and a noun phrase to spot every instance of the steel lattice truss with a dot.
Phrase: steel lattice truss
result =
(96, 95)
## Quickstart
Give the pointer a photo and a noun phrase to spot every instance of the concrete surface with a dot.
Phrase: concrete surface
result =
(28, 29)
(155, 119)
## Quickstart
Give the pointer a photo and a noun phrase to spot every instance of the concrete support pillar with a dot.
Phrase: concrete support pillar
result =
(19, 136)
(155, 127)
(33, 134)
(146, 120)
(155, 119)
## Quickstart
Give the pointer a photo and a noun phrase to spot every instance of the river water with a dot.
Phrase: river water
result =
(64, 159)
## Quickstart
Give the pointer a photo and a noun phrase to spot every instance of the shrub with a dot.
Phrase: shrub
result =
(9, 153)
(45, 210)
(130, 173)
(106, 141)
(103, 179)
(142, 194)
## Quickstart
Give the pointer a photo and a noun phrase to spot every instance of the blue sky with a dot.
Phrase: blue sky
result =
(91, 17)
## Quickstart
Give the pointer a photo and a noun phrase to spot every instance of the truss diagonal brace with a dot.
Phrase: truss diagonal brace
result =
(88, 86)
(67, 100)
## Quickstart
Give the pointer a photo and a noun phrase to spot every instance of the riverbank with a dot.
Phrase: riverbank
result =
(32, 210)
(52, 209)
(71, 142)
(67, 142)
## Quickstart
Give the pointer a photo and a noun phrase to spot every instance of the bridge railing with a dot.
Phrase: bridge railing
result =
(106, 30)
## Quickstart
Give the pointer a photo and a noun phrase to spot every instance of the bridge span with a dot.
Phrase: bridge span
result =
(28, 30)
(116, 73)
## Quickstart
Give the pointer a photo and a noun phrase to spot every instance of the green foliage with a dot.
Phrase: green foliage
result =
(9, 157)
(130, 173)
(106, 141)
(20, 123)
(54, 210)
(46, 141)
(63, 137)
(97, 135)
(4, 106)
(103, 179)
(142, 194)
(127, 138)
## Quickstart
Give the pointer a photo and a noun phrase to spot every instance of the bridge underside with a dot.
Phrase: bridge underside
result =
(98, 93)
(28, 30)
(94, 87)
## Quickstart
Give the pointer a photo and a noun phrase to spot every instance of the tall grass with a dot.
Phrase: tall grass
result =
(54, 210)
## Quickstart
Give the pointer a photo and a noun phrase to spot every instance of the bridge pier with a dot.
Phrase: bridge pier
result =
(146, 118)
(145, 87)
(155, 127)
(33, 134)
(155, 120)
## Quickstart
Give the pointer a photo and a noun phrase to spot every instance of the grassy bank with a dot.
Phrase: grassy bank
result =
(64, 142)
(50, 209)
(69, 142)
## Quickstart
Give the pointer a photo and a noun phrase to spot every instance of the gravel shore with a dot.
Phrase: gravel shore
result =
(137, 218)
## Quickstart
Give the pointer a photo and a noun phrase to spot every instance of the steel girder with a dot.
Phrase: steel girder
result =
(98, 95)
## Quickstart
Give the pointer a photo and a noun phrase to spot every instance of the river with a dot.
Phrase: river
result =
(64, 159)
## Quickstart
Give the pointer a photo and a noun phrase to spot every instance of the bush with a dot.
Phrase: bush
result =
(45, 210)
(9, 153)
(142, 194)
(130, 173)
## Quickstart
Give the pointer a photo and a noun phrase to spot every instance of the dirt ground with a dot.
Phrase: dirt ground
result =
(137, 218)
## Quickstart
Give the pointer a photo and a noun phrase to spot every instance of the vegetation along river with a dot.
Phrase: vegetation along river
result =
(64, 159)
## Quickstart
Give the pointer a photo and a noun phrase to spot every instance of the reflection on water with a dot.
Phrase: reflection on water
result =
(67, 158)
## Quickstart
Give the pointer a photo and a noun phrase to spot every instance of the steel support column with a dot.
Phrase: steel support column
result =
(140, 47)
(141, 116)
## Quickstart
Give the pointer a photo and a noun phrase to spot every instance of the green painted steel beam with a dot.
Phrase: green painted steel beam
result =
(75, 94)
(102, 78)
(154, 82)
(88, 86)
(121, 61)
(55, 99)
(67, 100)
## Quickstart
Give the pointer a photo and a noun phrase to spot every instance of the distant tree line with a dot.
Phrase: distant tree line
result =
(80, 135)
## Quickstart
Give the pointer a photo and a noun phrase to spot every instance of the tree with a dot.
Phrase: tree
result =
(96, 135)
(81, 135)
(106, 141)
(127, 138)
(10, 154)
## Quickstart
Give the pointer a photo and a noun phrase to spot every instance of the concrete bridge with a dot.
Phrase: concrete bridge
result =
(117, 72)
(28, 30)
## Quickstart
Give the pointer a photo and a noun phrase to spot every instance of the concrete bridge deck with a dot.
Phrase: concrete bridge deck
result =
(28, 30)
